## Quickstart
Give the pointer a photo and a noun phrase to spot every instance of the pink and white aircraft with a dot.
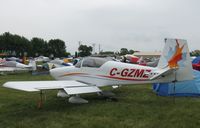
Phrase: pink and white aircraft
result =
(90, 73)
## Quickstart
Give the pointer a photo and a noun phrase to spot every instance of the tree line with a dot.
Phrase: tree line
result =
(195, 53)
(15, 45)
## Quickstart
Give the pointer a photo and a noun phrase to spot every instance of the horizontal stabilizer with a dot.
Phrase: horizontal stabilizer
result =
(163, 73)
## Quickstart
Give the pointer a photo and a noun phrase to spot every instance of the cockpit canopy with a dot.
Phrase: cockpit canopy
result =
(94, 62)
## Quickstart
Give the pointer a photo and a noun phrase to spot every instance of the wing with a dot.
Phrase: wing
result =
(71, 87)
(6, 69)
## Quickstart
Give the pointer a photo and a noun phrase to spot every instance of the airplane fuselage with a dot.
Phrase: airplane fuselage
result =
(110, 73)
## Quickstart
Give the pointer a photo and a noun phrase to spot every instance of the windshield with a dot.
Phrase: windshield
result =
(78, 64)
(94, 62)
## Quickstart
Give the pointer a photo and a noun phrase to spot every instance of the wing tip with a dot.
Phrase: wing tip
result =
(6, 84)
(12, 85)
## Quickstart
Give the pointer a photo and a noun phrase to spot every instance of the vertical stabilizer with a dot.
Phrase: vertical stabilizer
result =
(176, 56)
(33, 65)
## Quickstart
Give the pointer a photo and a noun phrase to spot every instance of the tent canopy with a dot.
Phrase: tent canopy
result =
(183, 88)
(196, 60)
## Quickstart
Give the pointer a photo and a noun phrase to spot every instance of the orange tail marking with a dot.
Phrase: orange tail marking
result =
(173, 62)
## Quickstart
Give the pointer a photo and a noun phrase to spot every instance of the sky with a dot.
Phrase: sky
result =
(114, 24)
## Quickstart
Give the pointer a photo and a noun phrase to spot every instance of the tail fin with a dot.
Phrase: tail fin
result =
(176, 56)
(33, 65)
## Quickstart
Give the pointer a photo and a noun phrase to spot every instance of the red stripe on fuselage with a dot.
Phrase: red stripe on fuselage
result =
(75, 73)
(120, 78)
(105, 76)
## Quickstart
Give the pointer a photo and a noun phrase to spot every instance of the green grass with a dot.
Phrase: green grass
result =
(138, 107)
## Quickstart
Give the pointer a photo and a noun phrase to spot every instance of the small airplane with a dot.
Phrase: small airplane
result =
(92, 73)
(42, 59)
(57, 63)
(13, 59)
(13, 66)
(153, 63)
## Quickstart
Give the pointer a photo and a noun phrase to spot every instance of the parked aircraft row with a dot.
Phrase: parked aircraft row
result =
(13, 64)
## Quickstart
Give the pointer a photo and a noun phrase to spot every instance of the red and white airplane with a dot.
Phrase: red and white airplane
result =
(90, 74)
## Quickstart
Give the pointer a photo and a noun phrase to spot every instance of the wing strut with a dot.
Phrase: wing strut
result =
(41, 100)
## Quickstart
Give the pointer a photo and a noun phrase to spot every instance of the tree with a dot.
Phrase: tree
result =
(131, 51)
(14, 44)
(85, 50)
(38, 47)
(124, 51)
(195, 53)
(107, 53)
(57, 47)
(21, 45)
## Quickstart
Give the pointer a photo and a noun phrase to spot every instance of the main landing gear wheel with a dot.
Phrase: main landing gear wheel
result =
(77, 100)
(109, 96)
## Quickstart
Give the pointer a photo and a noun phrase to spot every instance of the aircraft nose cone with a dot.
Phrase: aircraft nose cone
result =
(58, 72)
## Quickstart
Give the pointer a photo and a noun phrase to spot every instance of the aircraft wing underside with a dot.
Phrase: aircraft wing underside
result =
(70, 87)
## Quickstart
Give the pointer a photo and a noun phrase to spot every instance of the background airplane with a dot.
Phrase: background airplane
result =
(90, 74)
(57, 63)
(13, 66)
(42, 59)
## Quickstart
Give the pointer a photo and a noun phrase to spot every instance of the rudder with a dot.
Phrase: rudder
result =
(176, 56)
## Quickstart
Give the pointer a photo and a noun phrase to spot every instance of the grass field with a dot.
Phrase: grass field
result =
(138, 107)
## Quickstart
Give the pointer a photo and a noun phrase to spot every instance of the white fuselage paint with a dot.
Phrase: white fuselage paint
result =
(110, 73)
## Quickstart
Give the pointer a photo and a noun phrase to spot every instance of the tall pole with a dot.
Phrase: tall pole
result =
(93, 46)
(99, 48)
(174, 88)
(79, 43)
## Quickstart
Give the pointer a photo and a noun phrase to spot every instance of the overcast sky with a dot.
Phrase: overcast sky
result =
(134, 24)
